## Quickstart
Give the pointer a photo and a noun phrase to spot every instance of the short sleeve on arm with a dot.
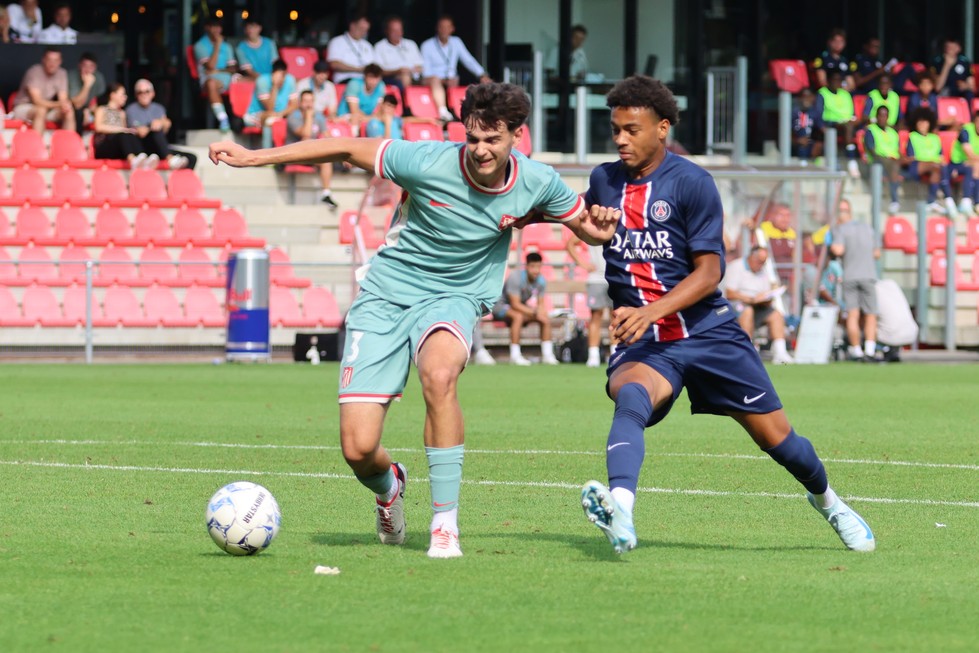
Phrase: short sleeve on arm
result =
(557, 201)
(404, 162)
(701, 206)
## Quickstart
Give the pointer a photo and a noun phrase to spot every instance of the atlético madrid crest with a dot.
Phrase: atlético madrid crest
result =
(661, 211)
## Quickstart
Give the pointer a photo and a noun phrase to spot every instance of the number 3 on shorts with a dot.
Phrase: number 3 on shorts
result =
(355, 337)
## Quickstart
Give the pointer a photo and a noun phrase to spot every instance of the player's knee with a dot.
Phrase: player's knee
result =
(357, 452)
(438, 382)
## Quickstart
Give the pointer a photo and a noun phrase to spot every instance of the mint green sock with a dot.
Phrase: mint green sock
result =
(445, 474)
(379, 483)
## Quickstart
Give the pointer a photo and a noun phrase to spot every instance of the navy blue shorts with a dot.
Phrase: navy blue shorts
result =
(720, 369)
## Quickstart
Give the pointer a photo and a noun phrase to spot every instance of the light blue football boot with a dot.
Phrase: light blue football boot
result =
(850, 526)
(600, 509)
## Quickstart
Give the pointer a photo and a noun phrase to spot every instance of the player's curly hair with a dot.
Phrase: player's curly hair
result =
(923, 113)
(643, 91)
(493, 103)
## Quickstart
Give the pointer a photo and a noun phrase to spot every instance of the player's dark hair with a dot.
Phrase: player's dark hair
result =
(373, 70)
(304, 93)
(321, 66)
(923, 113)
(87, 56)
(882, 107)
(392, 18)
(279, 64)
(755, 248)
(389, 98)
(885, 76)
(534, 257)
(580, 28)
(490, 104)
(926, 75)
(357, 17)
(837, 31)
(210, 21)
(644, 92)
(253, 20)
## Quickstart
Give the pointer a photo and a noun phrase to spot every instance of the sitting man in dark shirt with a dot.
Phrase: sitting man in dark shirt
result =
(832, 59)
(150, 121)
(953, 72)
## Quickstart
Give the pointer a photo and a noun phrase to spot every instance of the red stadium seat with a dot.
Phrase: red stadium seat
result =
(71, 264)
(953, 109)
(540, 236)
(28, 184)
(156, 266)
(299, 61)
(8, 272)
(67, 148)
(116, 266)
(948, 138)
(4, 152)
(185, 186)
(32, 225)
(859, 102)
(339, 129)
(399, 108)
(419, 101)
(10, 313)
(35, 265)
(28, 145)
(122, 307)
(71, 226)
(280, 270)
(456, 131)
(910, 83)
(789, 74)
(162, 308)
(228, 228)
(971, 239)
(935, 233)
(454, 97)
(320, 306)
(67, 185)
(148, 187)
(6, 230)
(240, 94)
(40, 306)
(109, 186)
(73, 307)
(938, 271)
(284, 310)
(197, 268)
(347, 227)
(526, 144)
(151, 226)
(4, 188)
(191, 63)
(202, 307)
(422, 131)
(189, 226)
(112, 226)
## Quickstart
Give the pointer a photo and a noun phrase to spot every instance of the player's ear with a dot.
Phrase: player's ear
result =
(518, 135)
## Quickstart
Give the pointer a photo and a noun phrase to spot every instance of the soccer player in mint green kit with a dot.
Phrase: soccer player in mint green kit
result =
(442, 268)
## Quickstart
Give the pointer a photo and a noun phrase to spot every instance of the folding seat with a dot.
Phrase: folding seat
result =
(421, 131)
(121, 306)
(28, 145)
(299, 60)
(201, 307)
(372, 237)
(4, 152)
(67, 185)
(953, 109)
(339, 129)
(320, 306)
(162, 308)
(10, 313)
(939, 268)
(68, 149)
(456, 131)
(156, 266)
(284, 310)
(116, 266)
(4, 188)
(6, 230)
(186, 187)
(239, 97)
(32, 226)
(71, 226)
(8, 271)
(196, 268)
(34, 264)
(71, 264)
(228, 228)
(347, 227)
(948, 139)
(419, 101)
(899, 234)
(148, 187)
(935, 233)
(790, 75)
(971, 238)
(540, 236)
(41, 307)
(189, 226)
(27, 184)
(109, 186)
(151, 227)
(73, 307)
(399, 107)
(280, 270)
(454, 97)
(112, 227)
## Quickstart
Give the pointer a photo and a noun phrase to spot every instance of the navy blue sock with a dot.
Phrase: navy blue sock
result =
(932, 192)
(796, 454)
(626, 445)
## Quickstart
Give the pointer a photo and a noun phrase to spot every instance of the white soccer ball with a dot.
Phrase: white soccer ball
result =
(243, 518)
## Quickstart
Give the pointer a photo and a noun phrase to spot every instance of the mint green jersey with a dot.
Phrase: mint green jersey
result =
(450, 235)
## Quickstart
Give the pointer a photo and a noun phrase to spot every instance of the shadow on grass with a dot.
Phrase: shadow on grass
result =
(413, 541)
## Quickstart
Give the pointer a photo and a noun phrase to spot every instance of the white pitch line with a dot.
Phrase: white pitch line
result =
(510, 452)
(533, 484)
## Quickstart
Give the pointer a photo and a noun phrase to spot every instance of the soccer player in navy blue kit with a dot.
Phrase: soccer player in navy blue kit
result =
(672, 325)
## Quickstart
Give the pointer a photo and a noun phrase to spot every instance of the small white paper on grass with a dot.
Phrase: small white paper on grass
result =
(939, 525)
(326, 571)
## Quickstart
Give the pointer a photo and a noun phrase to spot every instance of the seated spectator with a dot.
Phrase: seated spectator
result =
(596, 288)
(869, 67)
(386, 122)
(362, 96)
(752, 292)
(324, 92)
(275, 97)
(829, 282)
(856, 245)
(522, 303)
(953, 72)
(59, 32)
(25, 21)
(441, 55)
(5, 33)
(804, 146)
(832, 59)
(85, 85)
(151, 123)
(255, 53)
(304, 124)
(834, 108)
(885, 95)
(968, 145)
(881, 144)
(579, 58)
(925, 97)
(114, 139)
(923, 156)
(399, 58)
(350, 52)
(216, 62)
(43, 94)
(781, 237)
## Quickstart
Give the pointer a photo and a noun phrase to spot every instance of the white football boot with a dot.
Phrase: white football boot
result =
(391, 515)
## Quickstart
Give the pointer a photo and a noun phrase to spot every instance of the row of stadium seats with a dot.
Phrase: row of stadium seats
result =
(938, 270)
(71, 226)
(115, 265)
(160, 306)
(899, 234)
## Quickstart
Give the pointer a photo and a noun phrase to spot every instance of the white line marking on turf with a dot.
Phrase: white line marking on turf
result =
(513, 452)
(534, 484)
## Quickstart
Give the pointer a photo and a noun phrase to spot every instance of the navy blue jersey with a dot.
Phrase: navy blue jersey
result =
(667, 216)
(830, 62)
(866, 65)
(960, 71)
(803, 120)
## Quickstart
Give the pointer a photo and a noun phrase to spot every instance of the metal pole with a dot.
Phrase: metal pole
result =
(829, 151)
(581, 124)
(970, 34)
(741, 111)
(784, 128)
(876, 187)
(949, 284)
(88, 312)
(537, 104)
(506, 74)
(710, 111)
(921, 302)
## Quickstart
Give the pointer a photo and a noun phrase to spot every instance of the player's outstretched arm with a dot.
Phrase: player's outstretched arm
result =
(595, 224)
(357, 151)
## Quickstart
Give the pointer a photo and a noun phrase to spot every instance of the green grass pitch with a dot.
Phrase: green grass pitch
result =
(106, 471)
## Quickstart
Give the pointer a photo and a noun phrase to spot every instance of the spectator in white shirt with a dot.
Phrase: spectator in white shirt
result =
(351, 51)
(579, 60)
(324, 92)
(399, 58)
(441, 56)
(59, 31)
(25, 20)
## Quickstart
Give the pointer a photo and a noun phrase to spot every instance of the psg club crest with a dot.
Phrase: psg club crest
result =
(661, 211)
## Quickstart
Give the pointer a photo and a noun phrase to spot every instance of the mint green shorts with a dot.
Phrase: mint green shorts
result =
(382, 339)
